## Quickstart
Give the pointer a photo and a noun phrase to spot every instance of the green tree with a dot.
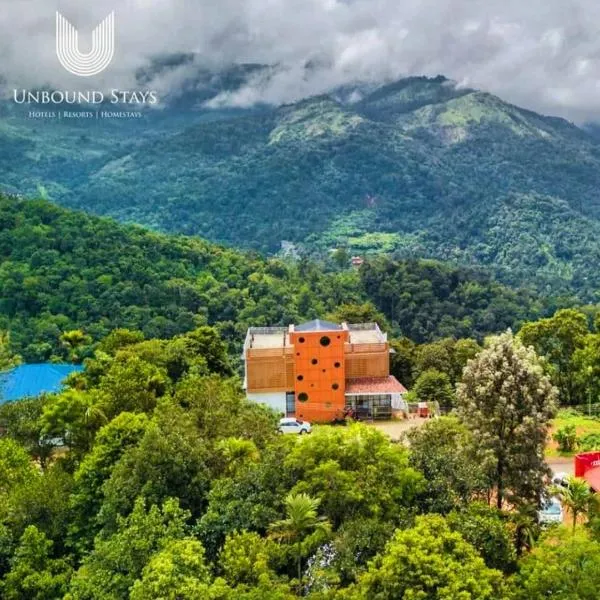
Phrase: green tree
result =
(578, 497)
(354, 471)
(354, 544)
(220, 409)
(341, 257)
(525, 527)
(74, 416)
(302, 528)
(119, 338)
(359, 313)
(506, 400)
(402, 360)
(16, 467)
(176, 572)
(43, 501)
(566, 438)
(586, 366)
(443, 451)
(557, 339)
(118, 560)
(34, 575)
(428, 561)
(562, 566)
(489, 531)
(73, 342)
(237, 452)
(170, 460)
(8, 359)
(247, 559)
(86, 500)
(22, 422)
(250, 499)
(434, 386)
(133, 385)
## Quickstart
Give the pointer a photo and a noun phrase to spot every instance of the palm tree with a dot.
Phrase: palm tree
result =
(302, 520)
(526, 530)
(578, 497)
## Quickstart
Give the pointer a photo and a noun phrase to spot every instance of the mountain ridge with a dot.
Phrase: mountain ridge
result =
(416, 167)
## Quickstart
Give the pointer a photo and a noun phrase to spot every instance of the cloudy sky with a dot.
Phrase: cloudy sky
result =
(540, 54)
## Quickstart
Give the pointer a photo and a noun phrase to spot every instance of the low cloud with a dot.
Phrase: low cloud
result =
(543, 55)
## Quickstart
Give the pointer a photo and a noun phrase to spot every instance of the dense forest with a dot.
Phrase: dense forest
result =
(168, 484)
(62, 270)
(151, 476)
(416, 168)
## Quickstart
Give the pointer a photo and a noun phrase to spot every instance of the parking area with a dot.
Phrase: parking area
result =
(396, 428)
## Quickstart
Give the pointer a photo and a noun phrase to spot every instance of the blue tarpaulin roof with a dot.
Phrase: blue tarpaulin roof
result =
(26, 381)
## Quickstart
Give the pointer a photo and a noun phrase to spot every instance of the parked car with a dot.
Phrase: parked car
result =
(561, 479)
(550, 512)
(291, 425)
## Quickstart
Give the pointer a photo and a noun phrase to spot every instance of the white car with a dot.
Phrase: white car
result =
(561, 479)
(291, 425)
(550, 512)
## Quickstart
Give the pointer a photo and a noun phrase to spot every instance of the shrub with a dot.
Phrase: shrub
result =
(566, 438)
(589, 442)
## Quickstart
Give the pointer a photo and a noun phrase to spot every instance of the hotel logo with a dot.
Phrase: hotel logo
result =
(92, 62)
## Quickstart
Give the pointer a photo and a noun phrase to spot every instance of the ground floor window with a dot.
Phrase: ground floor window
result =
(370, 406)
(290, 404)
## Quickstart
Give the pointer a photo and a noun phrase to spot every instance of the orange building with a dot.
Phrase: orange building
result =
(319, 370)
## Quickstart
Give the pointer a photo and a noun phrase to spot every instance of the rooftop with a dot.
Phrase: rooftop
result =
(367, 336)
(29, 381)
(264, 338)
(374, 385)
(318, 325)
(267, 337)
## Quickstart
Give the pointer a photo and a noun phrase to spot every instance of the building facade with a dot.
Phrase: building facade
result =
(319, 371)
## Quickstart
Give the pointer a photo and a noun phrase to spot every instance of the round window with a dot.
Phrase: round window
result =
(337, 365)
(325, 341)
(300, 377)
(314, 361)
(335, 386)
(301, 340)
(302, 397)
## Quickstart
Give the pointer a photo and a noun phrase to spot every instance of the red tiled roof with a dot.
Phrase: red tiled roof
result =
(374, 385)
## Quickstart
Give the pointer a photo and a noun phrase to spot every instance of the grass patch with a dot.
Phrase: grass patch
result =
(583, 425)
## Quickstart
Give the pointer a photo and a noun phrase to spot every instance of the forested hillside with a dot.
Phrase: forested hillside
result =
(169, 484)
(62, 270)
(417, 168)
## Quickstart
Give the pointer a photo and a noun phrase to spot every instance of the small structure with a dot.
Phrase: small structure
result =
(376, 397)
(357, 261)
(587, 465)
(29, 381)
(321, 371)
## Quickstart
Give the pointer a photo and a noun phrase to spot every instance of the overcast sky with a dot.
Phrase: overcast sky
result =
(540, 54)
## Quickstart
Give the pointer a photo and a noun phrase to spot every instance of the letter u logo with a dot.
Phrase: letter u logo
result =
(99, 57)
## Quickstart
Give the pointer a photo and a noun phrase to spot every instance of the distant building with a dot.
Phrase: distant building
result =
(29, 381)
(320, 370)
(357, 261)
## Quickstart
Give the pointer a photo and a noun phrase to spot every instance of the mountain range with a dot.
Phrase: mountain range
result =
(415, 168)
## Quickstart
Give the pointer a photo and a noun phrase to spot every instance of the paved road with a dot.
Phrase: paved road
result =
(562, 465)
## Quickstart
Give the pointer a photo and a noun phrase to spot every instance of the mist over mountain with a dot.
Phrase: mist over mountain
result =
(418, 167)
